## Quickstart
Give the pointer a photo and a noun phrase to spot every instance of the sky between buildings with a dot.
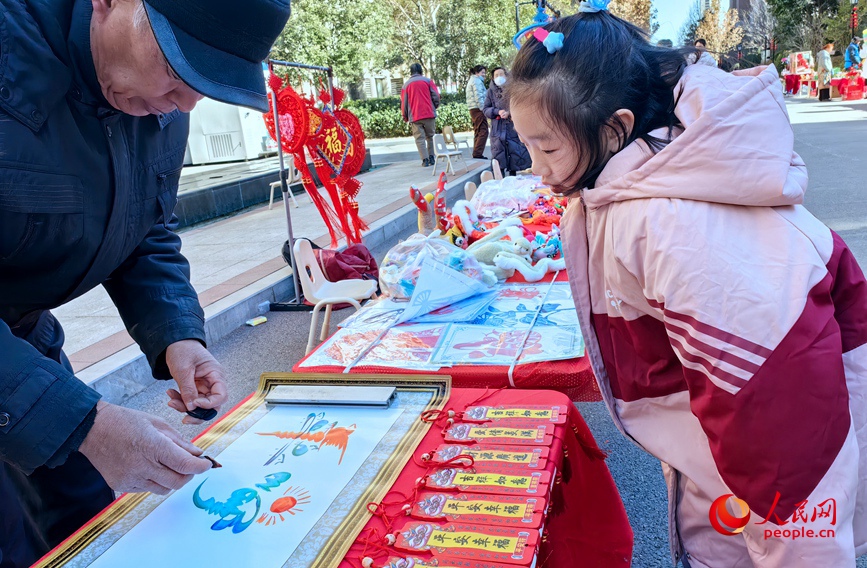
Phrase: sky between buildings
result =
(672, 14)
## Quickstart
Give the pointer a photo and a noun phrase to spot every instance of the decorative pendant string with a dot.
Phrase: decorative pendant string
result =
(366, 350)
(530, 329)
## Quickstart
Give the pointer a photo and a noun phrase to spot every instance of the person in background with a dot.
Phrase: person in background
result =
(506, 147)
(824, 68)
(852, 58)
(665, 43)
(419, 100)
(702, 57)
(475, 102)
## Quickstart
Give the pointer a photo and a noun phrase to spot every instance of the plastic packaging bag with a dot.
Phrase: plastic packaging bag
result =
(400, 269)
(497, 199)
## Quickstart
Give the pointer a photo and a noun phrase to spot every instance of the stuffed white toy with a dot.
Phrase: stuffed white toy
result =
(507, 261)
(486, 249)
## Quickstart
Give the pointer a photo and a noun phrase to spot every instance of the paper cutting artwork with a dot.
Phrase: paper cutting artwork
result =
(522, 292)
(406, 346)
(465, 310)
(255, 511)
(343, 347)
(481, 344)
(535, 291)
(523, 315)
(347, 349)
(516, 305)
(377, 314)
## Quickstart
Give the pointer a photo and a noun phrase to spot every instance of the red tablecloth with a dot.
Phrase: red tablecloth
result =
(573, 377)
(793, 84)
(586, 525)
(843, 84)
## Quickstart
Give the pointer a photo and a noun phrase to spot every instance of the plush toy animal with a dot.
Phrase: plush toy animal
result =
(531, 272)
(456, 237)
(488, 247)
(547, 246)
(427, 221)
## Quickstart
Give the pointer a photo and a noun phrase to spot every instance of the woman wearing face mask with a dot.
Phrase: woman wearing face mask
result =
(506, 147)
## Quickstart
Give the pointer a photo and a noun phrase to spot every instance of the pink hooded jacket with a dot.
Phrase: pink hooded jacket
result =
(727, 326)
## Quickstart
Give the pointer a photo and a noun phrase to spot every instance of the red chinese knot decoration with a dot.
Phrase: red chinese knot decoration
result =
(335, 141)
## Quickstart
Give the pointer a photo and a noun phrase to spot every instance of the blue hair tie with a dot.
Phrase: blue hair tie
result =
(553, 41)
(593, 6)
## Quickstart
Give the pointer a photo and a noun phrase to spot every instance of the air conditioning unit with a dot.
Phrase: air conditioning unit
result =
(226, 133)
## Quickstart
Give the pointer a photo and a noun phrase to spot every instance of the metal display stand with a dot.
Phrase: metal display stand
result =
(297, 303)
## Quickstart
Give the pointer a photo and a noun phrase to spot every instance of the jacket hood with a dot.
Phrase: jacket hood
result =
(735, 147)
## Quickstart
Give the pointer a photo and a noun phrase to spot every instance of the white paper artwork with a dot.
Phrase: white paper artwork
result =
(407, 346)
(377, 315)
(465, 310)
(439, 285)
(482, 345)
(277, 480)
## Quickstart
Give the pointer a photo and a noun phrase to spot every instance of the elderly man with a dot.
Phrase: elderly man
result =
(93, 96)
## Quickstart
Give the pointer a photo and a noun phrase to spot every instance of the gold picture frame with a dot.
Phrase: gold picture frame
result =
(338, 544)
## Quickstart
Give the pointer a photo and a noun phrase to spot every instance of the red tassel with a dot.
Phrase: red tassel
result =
(325, 210)
(275, 82)
(334, 195)
(351, 187)
(339, 95)
(302, 126)
(589, 446)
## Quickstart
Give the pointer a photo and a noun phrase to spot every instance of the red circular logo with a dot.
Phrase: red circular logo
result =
(725, 522)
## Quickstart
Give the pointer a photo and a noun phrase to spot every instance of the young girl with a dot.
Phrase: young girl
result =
(725, 324)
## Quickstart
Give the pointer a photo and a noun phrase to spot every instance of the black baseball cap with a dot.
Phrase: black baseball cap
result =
(217, 46)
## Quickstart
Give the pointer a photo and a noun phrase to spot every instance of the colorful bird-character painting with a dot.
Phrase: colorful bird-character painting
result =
(242, 507)
(289, 504)
(315, 433)
(233, 512)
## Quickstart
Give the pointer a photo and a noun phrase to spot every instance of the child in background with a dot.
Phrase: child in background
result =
(725, 324)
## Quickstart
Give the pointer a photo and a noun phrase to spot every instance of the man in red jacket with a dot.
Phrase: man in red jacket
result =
(419, 99)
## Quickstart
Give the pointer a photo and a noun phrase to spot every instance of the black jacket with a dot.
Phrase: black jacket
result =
(86, 198)
(506, 147)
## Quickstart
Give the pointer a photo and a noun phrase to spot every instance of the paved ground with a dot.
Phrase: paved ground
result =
(831, 138)
(388, 150)
(228, 254)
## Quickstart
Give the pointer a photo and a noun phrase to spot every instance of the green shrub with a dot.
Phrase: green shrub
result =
(457, 115)
(381, 118)
(385, 103)
(449, 98)
(371, 105)
(383, 123)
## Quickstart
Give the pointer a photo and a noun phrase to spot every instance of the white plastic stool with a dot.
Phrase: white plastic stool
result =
(322, 293)
(291, 177)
